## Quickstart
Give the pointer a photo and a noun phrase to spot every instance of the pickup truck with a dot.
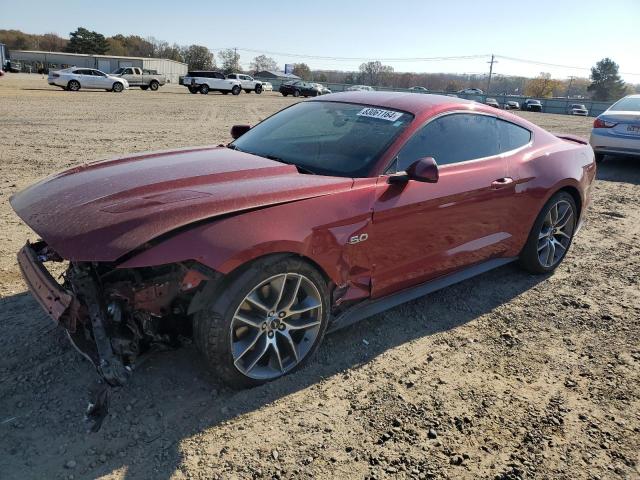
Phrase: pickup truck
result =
(248, 83)
(138, 77)
(205, 81)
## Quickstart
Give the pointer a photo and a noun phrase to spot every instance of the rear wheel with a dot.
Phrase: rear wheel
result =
(284, 94)
(204, 89)
(551, 235)
(193, 89)
(73, 85)
(154, 85)
(258, 89)
(266, 322)
(236, 90)
(117, 87)
(144, 87)
(296, 93)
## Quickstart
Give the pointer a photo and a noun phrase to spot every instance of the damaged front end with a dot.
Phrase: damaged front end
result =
(112, 316)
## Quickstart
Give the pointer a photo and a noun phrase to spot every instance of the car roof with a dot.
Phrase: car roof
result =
(415, 104)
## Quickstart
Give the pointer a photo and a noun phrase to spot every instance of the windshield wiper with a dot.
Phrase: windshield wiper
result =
(300, 168)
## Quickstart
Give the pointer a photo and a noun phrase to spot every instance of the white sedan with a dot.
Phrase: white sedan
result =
(617, 130)
(267, 87)
(74, 78)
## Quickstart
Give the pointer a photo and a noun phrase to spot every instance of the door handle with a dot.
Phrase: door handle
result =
(502, 183)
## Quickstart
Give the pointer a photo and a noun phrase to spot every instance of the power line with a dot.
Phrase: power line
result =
(534, 62)
(416, 59)
(351, 59)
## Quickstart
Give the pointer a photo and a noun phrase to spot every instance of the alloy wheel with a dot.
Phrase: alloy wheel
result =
(276, 326)
(555, 233)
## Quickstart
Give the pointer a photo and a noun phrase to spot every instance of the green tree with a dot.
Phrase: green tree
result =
(262, 62)
(199, 58)
(302, 70)
(606, 84)
(85, 41)
(230, 60)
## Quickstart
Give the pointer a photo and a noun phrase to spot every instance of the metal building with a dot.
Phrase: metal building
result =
(37, 61)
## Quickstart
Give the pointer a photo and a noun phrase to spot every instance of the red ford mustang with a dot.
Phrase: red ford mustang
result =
(329, 211)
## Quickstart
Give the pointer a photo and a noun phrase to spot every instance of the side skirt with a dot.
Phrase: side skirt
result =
(369, 308)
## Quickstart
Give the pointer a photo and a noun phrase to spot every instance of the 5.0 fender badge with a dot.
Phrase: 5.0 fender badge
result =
(358, 238)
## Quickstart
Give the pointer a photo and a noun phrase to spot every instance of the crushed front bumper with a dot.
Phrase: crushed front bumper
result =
(54, 299)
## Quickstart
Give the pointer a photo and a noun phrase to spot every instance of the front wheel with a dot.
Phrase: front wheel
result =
(266, 322)
(236, 90)
(193, 89)
(551, 235)
(258, 89)
(296, 93)
(204, 89)
(117, 87)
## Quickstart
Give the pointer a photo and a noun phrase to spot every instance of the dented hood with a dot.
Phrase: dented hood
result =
(103, 210)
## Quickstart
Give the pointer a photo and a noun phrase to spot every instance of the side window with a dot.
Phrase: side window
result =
(128, 71)
(453, 138)
(512, 136)
(218, 75)
(233, 77)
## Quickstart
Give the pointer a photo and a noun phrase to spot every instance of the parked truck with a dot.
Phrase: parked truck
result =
(137, 77)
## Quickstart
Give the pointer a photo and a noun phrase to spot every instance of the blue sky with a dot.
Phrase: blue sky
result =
(563, 32)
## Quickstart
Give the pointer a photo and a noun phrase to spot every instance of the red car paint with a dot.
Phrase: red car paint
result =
(137, 210)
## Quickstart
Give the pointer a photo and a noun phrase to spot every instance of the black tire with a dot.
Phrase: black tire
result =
(204, 89)
(73, 85)
(236, 90)
(258, 88)
(154, 85)
(529, 258)
(212, 325)
(117, 87)
(285, 94)
(296, 93)
(599, 157)
(144, 87)
(193, 89)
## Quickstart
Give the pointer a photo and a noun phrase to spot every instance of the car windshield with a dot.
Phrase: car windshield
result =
(328, 138)
(577, 105)
(628, 104)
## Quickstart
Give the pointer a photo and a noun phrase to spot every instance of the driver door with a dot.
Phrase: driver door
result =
(424, 230)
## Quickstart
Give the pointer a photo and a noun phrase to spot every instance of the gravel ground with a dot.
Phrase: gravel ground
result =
(504, 376)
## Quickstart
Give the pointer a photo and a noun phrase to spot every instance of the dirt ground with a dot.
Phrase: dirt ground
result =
(505, 376)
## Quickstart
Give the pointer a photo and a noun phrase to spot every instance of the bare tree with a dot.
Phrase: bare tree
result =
(230, 60)
(375, 73)
(262, 62)
(198, 58)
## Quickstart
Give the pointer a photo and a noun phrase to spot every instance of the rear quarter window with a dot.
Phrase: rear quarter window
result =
(511, 136)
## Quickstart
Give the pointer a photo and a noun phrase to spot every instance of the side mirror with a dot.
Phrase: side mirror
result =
(422, 170)
(238, 130)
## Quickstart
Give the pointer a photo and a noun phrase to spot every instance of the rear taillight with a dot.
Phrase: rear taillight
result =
(599, 123)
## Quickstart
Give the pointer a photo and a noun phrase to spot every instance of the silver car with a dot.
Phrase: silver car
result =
(577, 109)
(74, 78)
(617, 130)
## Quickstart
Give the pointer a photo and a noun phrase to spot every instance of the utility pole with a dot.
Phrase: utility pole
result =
(569, 87)
(490, 71)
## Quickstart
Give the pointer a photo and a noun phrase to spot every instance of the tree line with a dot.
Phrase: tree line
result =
(604, 83)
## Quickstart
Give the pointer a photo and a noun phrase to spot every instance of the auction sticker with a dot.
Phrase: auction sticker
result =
(389, 115)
